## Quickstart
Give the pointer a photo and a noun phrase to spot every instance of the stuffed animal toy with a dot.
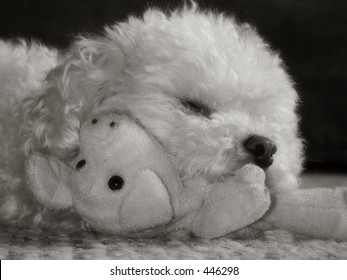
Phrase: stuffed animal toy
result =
(123, 182)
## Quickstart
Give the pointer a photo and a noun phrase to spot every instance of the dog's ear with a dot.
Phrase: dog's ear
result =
(93, 70)
(49, 180)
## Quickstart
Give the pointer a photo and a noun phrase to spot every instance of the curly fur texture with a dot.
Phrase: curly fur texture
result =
(149, 66)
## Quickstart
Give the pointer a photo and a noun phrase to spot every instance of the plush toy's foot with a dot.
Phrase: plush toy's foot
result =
(319, 212)
(233, 204)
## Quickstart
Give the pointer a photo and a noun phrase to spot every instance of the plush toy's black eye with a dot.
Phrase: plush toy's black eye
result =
(94, 121)
(115, 183)
(197, 107)
(112, 124)
(80, 164)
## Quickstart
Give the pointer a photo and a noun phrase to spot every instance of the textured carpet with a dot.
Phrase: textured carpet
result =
(26, 244)
(277, 244)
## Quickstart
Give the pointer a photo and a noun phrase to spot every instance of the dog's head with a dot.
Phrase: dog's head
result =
(208, 89)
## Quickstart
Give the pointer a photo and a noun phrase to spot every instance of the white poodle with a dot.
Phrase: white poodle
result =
(210, 90)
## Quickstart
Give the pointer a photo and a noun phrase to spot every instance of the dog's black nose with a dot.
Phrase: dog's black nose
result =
(262, 149)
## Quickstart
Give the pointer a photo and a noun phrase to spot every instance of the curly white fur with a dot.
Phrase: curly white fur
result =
(149, 66)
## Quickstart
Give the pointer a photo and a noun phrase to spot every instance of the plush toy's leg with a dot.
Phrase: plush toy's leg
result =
(233, 204)
(319, 212)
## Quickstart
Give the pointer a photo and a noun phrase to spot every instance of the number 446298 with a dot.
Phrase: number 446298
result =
(221, 270)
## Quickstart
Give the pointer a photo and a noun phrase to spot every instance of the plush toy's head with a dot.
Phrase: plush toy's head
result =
(120, 181)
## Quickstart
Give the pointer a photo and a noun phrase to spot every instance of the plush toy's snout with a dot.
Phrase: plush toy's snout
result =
(101, 129)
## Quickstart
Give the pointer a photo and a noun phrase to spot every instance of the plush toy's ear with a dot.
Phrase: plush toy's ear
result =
(49, 180)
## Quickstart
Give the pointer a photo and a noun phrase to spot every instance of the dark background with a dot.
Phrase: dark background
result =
(311, 36)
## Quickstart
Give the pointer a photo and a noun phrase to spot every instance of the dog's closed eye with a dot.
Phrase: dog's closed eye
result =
(197, 108)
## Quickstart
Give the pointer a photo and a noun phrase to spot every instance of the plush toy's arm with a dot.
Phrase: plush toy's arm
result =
(233, 204)
(319, 212)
